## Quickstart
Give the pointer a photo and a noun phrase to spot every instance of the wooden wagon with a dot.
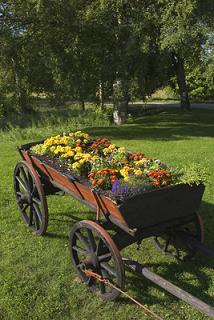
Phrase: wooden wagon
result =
(167, 215)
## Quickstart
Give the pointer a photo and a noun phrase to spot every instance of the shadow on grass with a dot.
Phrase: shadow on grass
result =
(169, 125)
(55, 235)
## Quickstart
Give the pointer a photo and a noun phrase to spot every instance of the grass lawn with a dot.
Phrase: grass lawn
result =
(37, 280)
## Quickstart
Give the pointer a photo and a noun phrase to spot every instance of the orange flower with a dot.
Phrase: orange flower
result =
(91, 175)
(94, 182)
(100, 181)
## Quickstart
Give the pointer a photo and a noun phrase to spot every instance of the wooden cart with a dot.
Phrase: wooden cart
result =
(167, 215)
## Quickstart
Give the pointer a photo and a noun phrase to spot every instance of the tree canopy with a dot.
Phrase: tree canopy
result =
(104, 49)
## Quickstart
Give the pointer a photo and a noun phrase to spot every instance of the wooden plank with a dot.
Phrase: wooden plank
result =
(170, 287)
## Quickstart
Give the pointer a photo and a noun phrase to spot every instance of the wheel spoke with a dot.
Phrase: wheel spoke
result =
(30, 182)
(21, 182)
(22, 171)
(104, 256)
(91, 239)
(37, 201)
(82, 239)
(105, 274)
(34, 189)
(90, 281)
(30, 217)
(80, 250)
(36, 220)
(108, 268)
(25, 207)
(37, 212)
(80, 265)
(102, 287)
(167, 243)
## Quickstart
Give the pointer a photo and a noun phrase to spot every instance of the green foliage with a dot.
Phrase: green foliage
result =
(66, 49)
(39, 149)
(193, 173)
(165, 93)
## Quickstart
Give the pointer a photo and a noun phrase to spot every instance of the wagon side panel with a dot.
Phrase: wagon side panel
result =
(161, 205)
(76, 189)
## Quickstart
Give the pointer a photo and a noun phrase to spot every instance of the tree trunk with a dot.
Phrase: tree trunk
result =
(82, 103)
(121, 100)
(178, 64)
(21, 94)
(101, 94)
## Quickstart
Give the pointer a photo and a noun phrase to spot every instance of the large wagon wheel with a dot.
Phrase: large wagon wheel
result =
(173, 242)
(31, 198)
(93, 249)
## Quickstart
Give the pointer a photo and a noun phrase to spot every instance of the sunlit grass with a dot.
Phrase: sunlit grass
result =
(37, 280)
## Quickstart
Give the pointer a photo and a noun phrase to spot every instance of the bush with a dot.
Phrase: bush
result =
(165, 93)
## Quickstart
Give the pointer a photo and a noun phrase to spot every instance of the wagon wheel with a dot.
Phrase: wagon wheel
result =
(92, 248)
(172, 243)
(31, 198)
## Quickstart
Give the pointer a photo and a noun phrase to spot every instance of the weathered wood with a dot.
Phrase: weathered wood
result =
(146, 210)
(170, 287)
(186, 238)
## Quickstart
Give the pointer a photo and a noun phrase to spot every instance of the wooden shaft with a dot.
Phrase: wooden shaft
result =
(197, 244)
(168, 286)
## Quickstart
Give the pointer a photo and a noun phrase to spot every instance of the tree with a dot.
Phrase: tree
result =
(183, 32)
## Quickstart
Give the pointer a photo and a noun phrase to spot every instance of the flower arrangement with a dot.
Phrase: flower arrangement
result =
(106, 166)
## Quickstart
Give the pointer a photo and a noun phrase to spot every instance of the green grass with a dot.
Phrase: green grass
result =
(37, 280)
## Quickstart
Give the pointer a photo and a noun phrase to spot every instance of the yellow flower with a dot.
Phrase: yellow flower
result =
(94, 158)
(78, 155)
(121, 149)
(76, 165)
(85, 140)
(58, 149)
(64, 140)
(106, 150)
(52, 149)
(77, 133)
(138, 172)
(126, 178)
(68, 154)
(87, 156)
(125, 171)
(78, 149)
(140, 162)
(111, 147)
(82, 161)
(78, 141)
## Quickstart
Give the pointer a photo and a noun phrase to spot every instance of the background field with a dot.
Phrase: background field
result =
(37, 280)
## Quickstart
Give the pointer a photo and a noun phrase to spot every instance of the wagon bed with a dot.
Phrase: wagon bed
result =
(151, 208)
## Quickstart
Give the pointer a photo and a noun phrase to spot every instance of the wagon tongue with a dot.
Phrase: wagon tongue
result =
(170, 287)
(195, 244)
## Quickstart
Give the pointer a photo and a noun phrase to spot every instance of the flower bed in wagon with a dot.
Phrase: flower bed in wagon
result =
(111, 170)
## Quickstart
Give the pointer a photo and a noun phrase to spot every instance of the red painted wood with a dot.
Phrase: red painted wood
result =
(106, 205)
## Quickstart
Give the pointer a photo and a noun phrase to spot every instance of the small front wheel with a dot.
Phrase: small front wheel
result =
(92, 248)
(31, 198)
